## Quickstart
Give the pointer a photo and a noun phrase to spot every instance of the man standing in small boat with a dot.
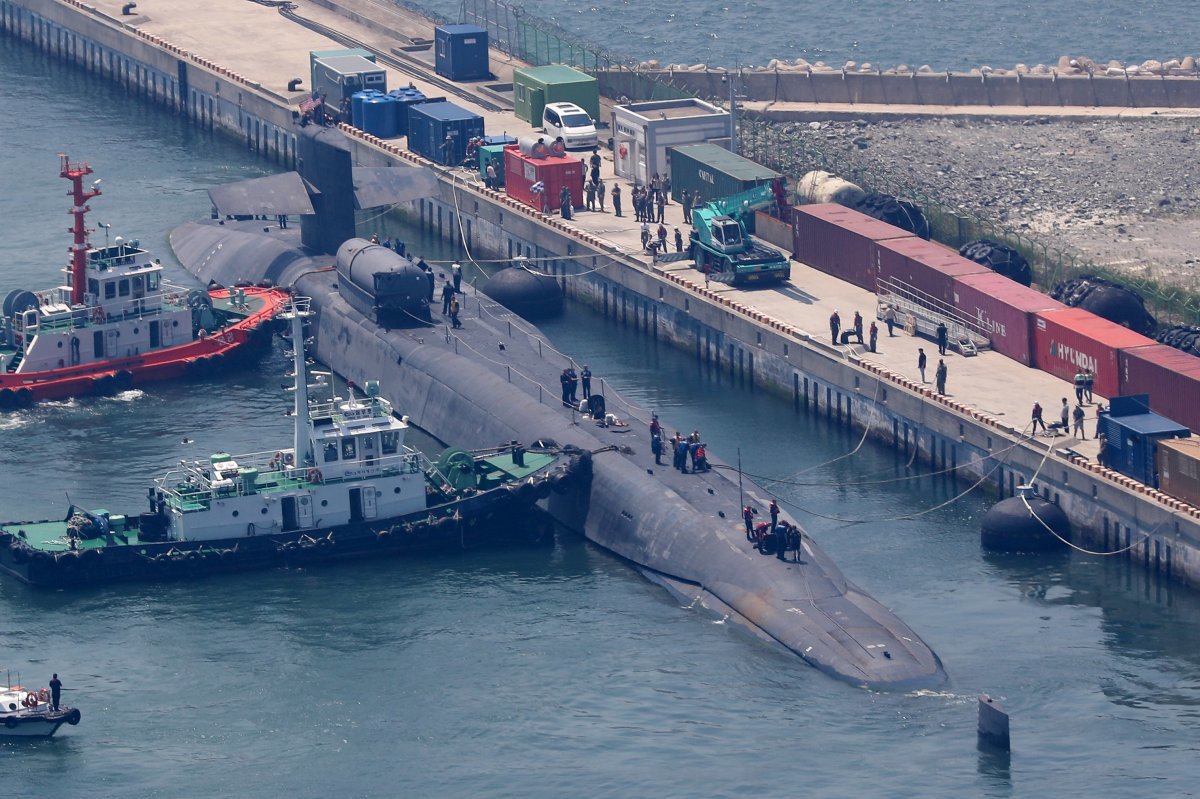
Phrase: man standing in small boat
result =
(55, 692)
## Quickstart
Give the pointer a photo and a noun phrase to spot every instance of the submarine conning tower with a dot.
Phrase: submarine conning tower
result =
(325, 162)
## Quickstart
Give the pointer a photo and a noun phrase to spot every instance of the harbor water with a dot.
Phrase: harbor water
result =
(548, 672)
(882, 33)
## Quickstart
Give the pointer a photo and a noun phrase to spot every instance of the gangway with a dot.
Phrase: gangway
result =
(920, 313)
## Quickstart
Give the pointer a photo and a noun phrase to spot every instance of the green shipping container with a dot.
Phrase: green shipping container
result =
(533, 87)
(714, 172)
(495, 152)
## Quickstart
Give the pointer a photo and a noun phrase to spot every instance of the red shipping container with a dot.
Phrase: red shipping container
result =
(1065, 341)
(926, 266)
(839, 241)
(1005, 309)
(1171, 377)
(521, 173)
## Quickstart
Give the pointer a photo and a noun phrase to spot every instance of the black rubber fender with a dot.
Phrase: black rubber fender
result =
(74, 716)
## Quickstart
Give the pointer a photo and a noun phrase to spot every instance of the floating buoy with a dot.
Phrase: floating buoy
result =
(531, 295)
(1025, 523)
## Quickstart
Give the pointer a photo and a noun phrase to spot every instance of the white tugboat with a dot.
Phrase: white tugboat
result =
(26, 713)
(115, 323)
(347, 486)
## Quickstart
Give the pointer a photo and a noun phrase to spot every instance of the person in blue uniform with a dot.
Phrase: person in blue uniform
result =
(55, 691)
(585, 379)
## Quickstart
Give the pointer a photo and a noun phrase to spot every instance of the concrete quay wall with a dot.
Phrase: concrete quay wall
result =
(157, 71)
(941, 89)
(1109, 512)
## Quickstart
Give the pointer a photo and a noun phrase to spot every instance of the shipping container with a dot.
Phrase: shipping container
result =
(714, 172)
(840, 241)
(1178, 462)
(521, 173)
(1005, 309)
(533, 87)
(495, 154)
(1133, 433)
(925, 266)
(440, 131)
(461, 52)
(405, 98)
(1171, 377)
(337, 78)
(315, 55)
(1067, 340)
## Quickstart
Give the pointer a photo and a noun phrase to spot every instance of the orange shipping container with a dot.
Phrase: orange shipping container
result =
(1178, 463)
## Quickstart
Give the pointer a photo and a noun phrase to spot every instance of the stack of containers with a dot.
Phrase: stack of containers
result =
(429, 125)
(1005, 309)
(523, 170)
(379, 115)
(1133, 434)
(404, 99)
(1068, 340)
(1171, 377)
(840, 241)
(926, 266)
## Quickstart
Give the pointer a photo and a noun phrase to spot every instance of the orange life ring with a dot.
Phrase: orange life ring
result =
(44, 694)
(31, 701)
(314, 476)
(623, 151)
(98, 314)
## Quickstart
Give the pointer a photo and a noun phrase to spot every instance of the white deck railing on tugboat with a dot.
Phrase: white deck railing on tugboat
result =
(193, 484)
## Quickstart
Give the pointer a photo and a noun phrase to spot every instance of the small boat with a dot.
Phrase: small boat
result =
(26, 713)
(115, 323)
(348, 486)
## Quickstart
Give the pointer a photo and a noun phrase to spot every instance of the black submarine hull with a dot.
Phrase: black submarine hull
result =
(682, 530)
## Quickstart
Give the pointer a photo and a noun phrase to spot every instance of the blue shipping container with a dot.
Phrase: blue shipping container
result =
(1132, 432)
(379, 116)
(440, 131)
(405, 98)
(461, 52)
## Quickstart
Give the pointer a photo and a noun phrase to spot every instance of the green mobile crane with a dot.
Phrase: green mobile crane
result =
(723, 250)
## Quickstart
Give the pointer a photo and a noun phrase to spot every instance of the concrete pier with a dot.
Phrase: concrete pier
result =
(226, 65)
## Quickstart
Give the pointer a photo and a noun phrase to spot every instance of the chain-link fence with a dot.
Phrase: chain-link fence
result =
(539, 42)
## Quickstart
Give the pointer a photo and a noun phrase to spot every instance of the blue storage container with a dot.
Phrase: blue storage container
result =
(1132, 432)
(356, 106)
(502, 139)
(405, 98)
(379, 116)
(461, 52)
(431, 124)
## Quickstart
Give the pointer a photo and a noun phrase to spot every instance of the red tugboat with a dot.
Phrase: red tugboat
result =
(117, 324)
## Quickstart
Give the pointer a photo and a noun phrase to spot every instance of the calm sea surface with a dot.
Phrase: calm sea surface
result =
(537, 673)
(946, 34)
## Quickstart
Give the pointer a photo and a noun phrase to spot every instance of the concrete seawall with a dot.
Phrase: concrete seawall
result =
(836, 87)
(1110, 512)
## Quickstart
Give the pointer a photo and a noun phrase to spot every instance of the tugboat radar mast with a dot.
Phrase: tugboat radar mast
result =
(79, 249)
(295, 313)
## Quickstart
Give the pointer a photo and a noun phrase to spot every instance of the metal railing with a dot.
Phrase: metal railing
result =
(967, 334)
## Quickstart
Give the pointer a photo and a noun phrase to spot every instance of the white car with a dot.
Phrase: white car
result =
(568, 120)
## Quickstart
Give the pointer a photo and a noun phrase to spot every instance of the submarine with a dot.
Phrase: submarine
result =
(496, 379)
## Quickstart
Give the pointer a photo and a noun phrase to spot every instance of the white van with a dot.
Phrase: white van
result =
(572, 123)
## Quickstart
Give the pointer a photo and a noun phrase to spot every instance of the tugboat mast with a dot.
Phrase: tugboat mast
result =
(76, 173)
(296, 312)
